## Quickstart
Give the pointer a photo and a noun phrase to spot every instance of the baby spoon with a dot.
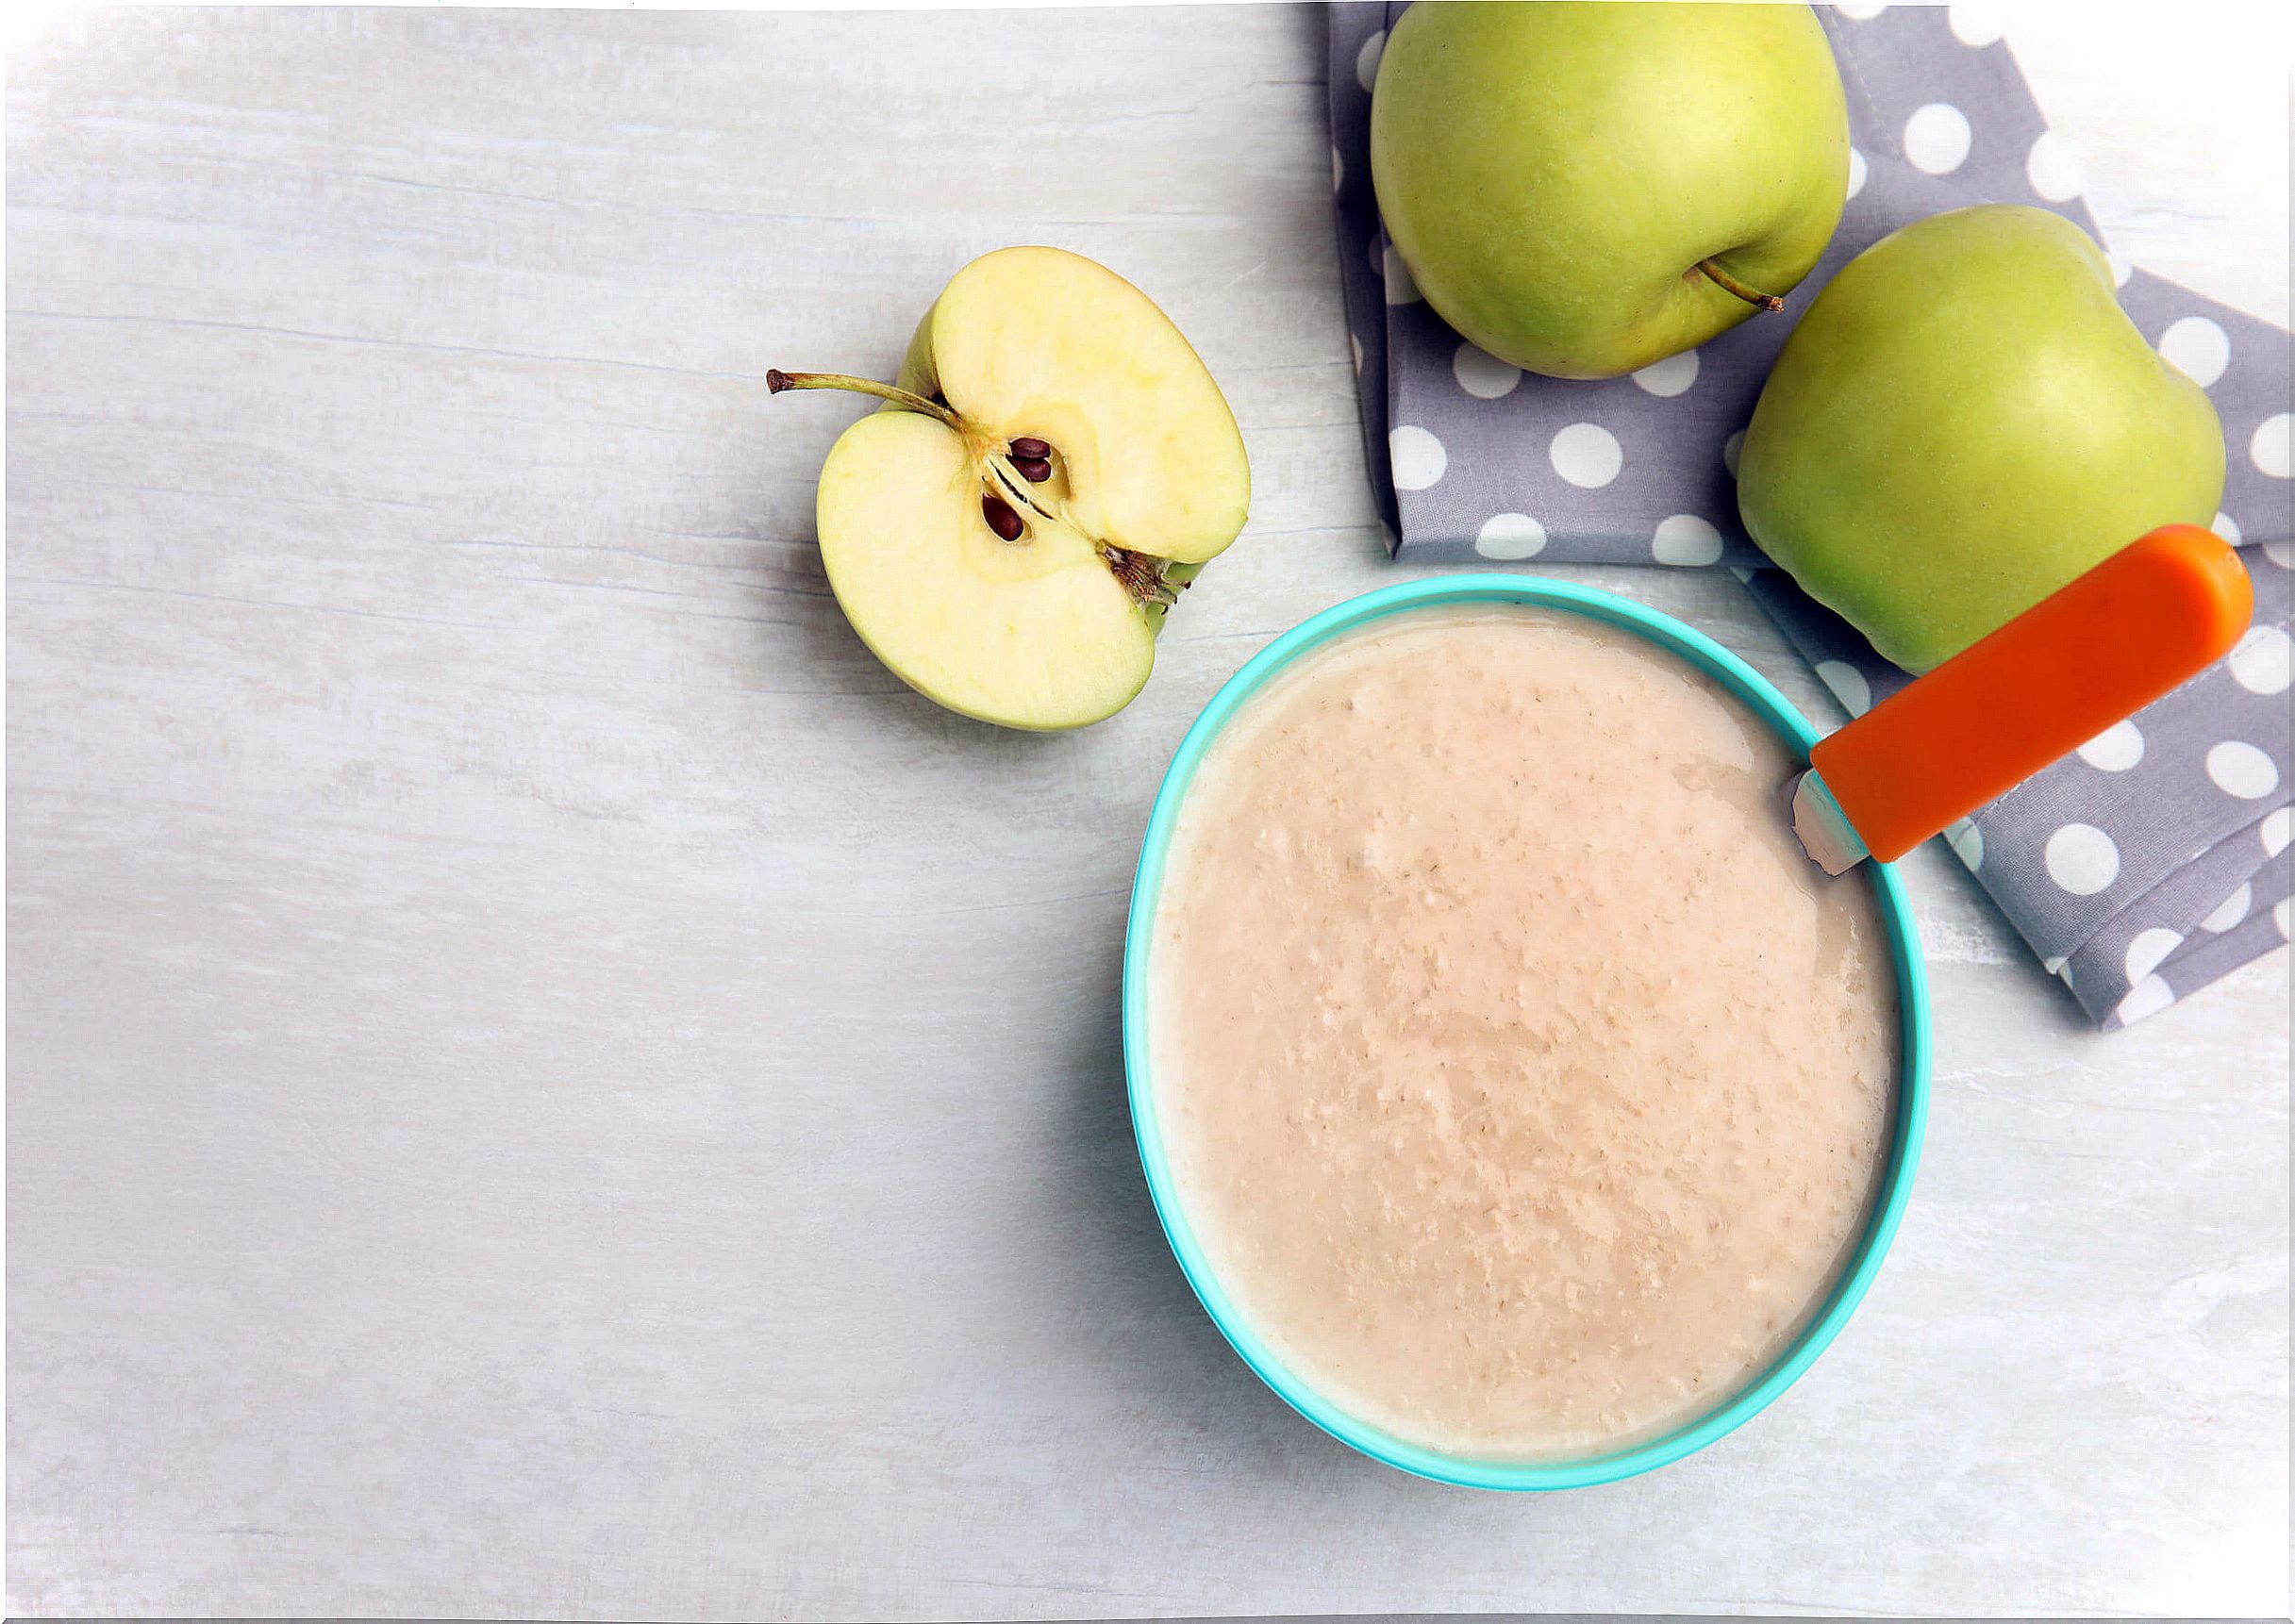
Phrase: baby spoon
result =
(2155, 614)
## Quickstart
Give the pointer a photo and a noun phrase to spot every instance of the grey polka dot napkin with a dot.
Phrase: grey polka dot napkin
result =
(2145, 866)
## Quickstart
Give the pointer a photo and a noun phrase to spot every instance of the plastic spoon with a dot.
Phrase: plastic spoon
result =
(2153, 615)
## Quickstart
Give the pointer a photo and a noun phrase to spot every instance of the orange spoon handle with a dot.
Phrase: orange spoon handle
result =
(2155, 614)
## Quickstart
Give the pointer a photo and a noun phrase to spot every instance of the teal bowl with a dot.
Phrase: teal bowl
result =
(1138, 1060)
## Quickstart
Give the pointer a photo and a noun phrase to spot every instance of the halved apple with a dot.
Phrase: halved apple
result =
(1052, 467)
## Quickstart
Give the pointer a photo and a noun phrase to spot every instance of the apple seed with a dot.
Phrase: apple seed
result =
(1030, 449)
(1035, 470)
(1001, 518)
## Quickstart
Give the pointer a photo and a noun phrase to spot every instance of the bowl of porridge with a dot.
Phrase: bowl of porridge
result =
(1521, 1103)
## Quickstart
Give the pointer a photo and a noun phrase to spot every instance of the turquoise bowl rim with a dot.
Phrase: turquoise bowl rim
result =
(1911, 1114)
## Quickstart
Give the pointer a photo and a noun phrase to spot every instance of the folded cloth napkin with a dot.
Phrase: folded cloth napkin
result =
(2151, 862)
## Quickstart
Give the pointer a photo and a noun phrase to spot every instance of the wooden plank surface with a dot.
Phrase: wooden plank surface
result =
(542, 1082)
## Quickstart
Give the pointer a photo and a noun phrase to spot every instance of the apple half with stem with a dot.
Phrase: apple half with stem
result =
(1054, 466)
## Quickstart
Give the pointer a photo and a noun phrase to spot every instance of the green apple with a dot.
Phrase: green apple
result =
(1584, 188)
(1054, 466)
(1964, 420)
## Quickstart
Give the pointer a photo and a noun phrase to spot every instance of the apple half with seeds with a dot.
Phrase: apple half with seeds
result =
(1054, 466)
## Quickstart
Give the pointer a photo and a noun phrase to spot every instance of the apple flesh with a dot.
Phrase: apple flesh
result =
(1585, 189)
(1964, 420)
(1052, 467)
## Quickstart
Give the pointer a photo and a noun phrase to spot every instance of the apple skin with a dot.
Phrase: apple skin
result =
(1963, 422)
(1552, 173)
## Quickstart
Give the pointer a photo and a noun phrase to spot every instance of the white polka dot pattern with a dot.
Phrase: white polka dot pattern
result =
(2196, 347)
(1402, 287)
(1366, 60)
(2149, 950)
(2240, 768)
(2117, 748)
(1418, 457)
(1586, 454)
(1484, 376)
(2051, 170)
(1670, 377)
(2081, 860)
(1937, 139)
(2230, 911)
(2260, 662)
(2148, 997)
(2267, 447)
(1507, 536)
(1848, 684)
(1686, 539)
(1975, 25)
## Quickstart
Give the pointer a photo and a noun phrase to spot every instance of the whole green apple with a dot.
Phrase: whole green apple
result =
(1584, 188)
(1964, 420)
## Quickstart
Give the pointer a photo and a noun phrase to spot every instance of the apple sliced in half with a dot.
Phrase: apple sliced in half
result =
(1052, 467)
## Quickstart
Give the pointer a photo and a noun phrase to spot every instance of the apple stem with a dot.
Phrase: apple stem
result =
(1729, 284)
(777, 380)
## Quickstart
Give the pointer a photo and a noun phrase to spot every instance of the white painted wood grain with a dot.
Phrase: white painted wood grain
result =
(543, 1083)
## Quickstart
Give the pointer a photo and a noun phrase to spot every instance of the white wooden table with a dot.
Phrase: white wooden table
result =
(542, 1081)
